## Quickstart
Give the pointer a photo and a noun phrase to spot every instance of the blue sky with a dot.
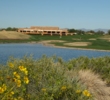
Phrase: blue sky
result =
(89, 14)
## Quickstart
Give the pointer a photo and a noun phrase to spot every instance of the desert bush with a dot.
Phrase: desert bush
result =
(52, 78)
(99, 65)
(95, 84)
(47, 78)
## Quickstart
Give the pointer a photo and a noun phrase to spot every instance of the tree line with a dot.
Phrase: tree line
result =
(90, 31)
(9, 29)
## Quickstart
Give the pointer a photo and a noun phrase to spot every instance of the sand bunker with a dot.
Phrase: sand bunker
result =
(78, 44)
(92, 39)
(105, 38)
(50, 41)
(76, 39)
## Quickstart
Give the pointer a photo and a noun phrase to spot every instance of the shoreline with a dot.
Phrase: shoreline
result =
(54, 46)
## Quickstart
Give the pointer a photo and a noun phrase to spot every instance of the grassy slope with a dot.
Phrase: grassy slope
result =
(13, 37)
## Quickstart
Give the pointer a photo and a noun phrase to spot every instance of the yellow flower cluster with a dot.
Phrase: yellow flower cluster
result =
(11, 94)
(86, 93)
(3, 88)
(63, 88)
(23, 69)
(26, 80)
(18, 82)
(17, 79)
(16, 75)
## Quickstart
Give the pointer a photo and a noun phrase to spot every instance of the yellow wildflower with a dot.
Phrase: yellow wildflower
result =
(1, 90)
(44, 89)
(78, 91)
(16, 75)
(22, 68)
(4, 87)
(26, 80)
(11, 93)
(11, 65)
(86, 93)
(26, 72)
(15, 99)
(18, 82)
(63, 88)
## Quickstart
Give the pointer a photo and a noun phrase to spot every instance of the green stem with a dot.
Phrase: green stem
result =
(7, 93)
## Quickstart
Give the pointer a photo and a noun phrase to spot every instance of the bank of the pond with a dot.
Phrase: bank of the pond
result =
(52, 45)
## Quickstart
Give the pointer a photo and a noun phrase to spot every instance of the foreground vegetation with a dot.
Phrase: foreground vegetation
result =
(51, 78)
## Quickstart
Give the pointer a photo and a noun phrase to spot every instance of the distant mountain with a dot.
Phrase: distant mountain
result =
(104, 30)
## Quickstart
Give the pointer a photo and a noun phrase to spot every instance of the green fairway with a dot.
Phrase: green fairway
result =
(97, 41)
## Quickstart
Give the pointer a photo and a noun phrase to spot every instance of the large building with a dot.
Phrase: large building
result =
(43, 30)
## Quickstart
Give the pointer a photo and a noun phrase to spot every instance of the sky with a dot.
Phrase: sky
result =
(77, 14)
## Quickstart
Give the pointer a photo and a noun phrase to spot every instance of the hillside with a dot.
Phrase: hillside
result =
(13, 35)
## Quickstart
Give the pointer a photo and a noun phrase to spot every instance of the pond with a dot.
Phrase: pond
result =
(37, 50)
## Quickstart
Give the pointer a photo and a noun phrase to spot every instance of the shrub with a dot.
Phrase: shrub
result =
(42, 79)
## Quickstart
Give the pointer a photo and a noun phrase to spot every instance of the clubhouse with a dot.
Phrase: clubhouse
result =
(43, 30)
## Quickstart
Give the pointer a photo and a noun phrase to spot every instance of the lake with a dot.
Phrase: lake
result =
(37, 50)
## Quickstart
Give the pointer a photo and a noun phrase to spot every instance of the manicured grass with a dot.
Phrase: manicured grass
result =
(98, 43)
(14, 40)
(66, 38)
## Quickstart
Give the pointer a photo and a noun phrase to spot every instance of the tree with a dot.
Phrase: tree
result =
(80, 32)
(71, 30)
(100, 32)
(109, 32)
(8, 29)
(11, 29)
(91, 31)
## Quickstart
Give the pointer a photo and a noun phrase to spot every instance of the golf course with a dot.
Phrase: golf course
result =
(84, 41)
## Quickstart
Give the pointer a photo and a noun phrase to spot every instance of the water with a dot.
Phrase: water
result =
(37, 50)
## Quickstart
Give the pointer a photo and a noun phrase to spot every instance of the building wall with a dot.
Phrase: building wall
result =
(43, 30)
